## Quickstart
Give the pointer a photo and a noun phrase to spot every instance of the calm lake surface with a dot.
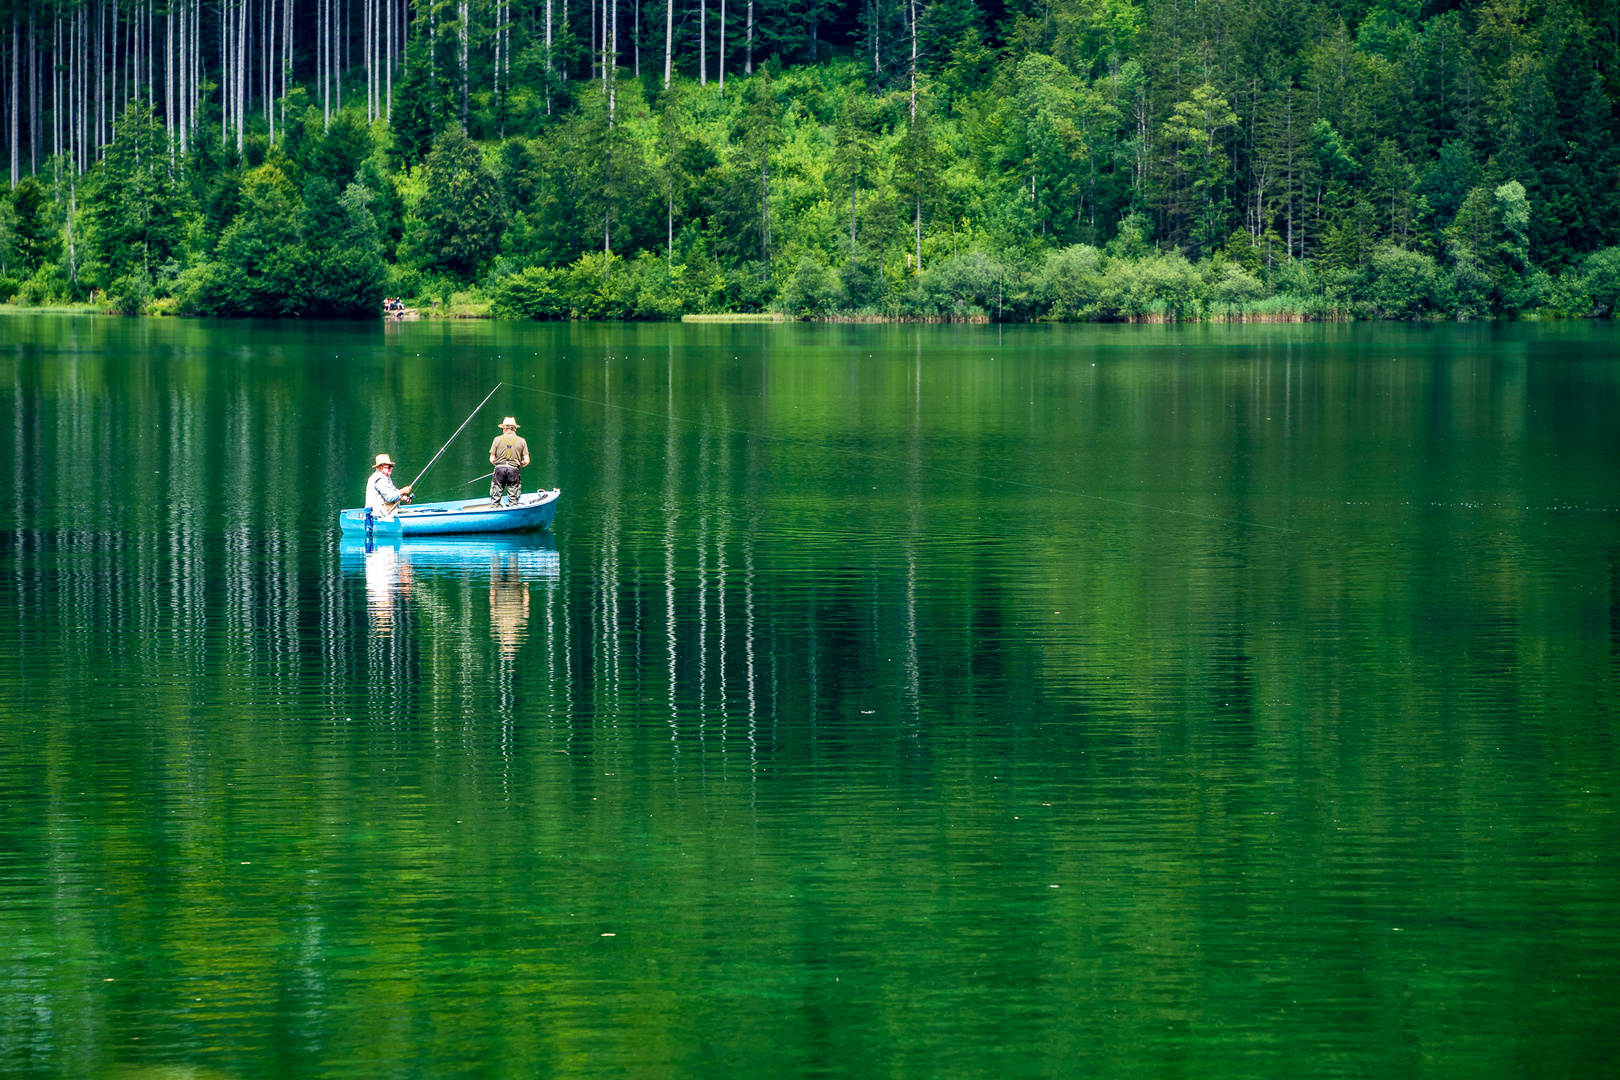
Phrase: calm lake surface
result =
(887, 701)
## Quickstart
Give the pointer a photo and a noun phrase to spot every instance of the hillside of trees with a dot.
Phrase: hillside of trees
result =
(1078, 159)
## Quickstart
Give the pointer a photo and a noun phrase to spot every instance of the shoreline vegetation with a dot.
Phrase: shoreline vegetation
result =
(1282, 310)
(872, 161)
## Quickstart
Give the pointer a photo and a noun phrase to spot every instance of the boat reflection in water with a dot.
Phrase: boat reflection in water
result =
(395, 572)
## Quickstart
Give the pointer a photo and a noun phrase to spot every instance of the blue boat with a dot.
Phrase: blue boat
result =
(533, 511)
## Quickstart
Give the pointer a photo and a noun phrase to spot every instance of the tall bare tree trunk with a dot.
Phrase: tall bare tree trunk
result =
(81, 87)
(241, 75)
(183, 79)
(748, 65)
(33, 93)
(15, 102)
(117, 84)
(84, 88)
(917, 185)
(76, 90)
(56, 84)
(669, 41)
(877, 55)
(913, 61)
(168, 78)
(703, 42)
(100, 77)
(71, 136)
(70, 141)
(271, 54)
(339, 53)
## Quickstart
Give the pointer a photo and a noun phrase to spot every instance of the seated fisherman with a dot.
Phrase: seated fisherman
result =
(508, 453)
(383, 499)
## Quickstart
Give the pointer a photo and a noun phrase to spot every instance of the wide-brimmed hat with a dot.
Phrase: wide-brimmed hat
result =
(383, 459)
(509, 422)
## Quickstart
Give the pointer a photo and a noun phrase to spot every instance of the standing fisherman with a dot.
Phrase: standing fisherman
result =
(382, 497)
(508, 453)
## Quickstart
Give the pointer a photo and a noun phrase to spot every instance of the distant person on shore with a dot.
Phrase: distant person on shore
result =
(508, 453)
(383, 499)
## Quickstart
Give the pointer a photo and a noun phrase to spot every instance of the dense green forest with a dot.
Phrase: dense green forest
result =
(1079, 159)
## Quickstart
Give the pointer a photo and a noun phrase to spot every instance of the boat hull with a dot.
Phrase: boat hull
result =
(533, 511)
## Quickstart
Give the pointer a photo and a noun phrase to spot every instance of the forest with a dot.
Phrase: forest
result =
(1142, 160)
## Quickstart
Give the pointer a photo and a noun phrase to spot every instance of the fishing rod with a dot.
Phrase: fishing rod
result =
(452, 439)
(475, 479)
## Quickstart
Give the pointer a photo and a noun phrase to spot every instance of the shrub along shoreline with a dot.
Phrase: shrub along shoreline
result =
(1079, 283)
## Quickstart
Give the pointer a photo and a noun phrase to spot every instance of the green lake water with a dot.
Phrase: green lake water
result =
(886, 701)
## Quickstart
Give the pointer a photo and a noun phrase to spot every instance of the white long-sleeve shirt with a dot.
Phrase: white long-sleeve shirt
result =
(382, 497)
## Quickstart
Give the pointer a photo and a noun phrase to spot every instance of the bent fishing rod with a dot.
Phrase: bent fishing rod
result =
(452, 438)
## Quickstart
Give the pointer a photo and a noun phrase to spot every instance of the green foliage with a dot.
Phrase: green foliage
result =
(1601, 280)
(1097, 159)
(810, 290)
(135, 207)
(319, 256)
(257, 268)
(1199, 167)
(1232, 283)
(1513, 214)
(422, 104)
(48, 285)
(1241, 249)
(854, 160)
(337, 154)
(967, 286)
(600, 287)
(131, 292)
(533, 293)
(457, 228)
(344, 273)
(1166, 287)
(34, 237)
(1070, 282)
(1404, 284)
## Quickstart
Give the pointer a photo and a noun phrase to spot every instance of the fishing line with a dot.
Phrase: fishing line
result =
(868, 455)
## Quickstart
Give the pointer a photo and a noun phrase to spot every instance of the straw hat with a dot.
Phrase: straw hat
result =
(383, 459)
(509, 422)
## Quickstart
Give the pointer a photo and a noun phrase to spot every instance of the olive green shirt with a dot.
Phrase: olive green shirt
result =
(509, 450)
